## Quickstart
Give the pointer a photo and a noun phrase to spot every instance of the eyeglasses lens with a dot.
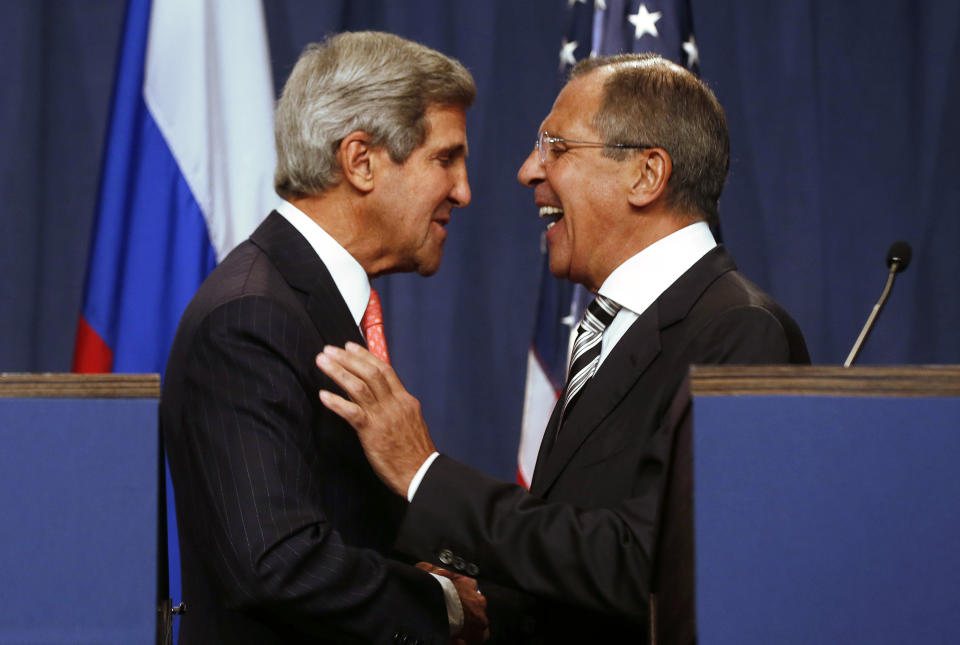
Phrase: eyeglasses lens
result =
(542, 146)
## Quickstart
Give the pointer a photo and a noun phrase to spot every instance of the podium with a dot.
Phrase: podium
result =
(80, 541)
(820, 505)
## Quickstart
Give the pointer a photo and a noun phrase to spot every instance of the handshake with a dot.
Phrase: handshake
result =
(476, 628)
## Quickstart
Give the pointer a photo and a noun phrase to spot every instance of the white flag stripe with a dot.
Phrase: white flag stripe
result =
(202, 57)
(539, 399)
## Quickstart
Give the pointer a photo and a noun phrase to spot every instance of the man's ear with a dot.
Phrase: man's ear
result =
(357, 163)
(652, 169)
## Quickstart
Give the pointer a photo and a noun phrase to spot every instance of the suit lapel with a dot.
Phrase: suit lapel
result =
(300, 266)
(617, 374)
(625, 364)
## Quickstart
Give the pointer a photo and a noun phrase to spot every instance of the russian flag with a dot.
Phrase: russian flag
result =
(187, 175)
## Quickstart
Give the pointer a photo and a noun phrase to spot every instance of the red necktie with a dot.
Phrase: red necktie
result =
(372, 325)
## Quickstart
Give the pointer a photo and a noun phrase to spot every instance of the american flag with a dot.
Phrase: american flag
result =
(596, 28)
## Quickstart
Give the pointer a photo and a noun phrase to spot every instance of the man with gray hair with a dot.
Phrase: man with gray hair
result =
(626, 171)
(283, 525)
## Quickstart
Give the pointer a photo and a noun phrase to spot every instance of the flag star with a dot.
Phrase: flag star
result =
(645, 22)
(693, 54)
(566, 53)
(600, 4)
(573, 2)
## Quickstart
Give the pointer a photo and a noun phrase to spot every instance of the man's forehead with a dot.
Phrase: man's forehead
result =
(446, 129)
(576, 103)
(447, 118)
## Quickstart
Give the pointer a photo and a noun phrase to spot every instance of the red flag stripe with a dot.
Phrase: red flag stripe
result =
(91, 355)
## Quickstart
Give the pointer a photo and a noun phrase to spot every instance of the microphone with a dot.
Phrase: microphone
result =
(899, 255)
(898, 258)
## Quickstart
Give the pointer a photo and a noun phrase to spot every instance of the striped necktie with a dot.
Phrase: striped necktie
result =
(586, 349)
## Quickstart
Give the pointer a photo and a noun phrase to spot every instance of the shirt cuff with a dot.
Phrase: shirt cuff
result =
(452, 600)
(415, 482)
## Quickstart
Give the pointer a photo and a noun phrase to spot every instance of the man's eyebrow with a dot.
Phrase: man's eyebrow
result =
(454, 150)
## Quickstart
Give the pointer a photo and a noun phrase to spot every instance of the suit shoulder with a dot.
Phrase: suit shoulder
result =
(734, 307)
(733, 291)
(247, 270)
(246, 273)
(245, 286)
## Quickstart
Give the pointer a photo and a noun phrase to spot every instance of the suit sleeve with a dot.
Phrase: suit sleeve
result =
(588, 557)
(247, 429)
(595, 558)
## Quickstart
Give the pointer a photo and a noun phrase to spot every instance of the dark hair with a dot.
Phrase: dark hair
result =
(651, 101)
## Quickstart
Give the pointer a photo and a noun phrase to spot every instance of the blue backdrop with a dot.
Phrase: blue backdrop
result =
(844, 140)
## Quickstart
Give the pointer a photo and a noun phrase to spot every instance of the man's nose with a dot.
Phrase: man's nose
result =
(460, 195)
(531, 172)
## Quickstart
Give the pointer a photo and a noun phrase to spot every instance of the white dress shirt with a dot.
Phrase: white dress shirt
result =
(638, 282)
(351, 280)
(634, 285)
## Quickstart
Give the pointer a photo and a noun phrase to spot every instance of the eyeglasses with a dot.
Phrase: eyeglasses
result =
(545, 144)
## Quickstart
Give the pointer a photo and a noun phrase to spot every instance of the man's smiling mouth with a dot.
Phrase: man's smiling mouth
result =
(554, 213)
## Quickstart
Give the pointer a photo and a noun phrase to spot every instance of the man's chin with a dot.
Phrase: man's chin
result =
(428, 267)
(558, 269)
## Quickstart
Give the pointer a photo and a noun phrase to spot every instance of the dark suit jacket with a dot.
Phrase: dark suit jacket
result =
(282, 522)
(582, 539)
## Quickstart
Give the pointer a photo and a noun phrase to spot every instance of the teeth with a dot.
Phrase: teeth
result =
(547, 211)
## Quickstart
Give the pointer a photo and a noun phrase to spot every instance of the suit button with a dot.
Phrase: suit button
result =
(472, 570)
(396, 637)
(459, 563)
(446, 556)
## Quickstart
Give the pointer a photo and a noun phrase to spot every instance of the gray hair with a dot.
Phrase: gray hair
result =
(366, 81)
(650, 101)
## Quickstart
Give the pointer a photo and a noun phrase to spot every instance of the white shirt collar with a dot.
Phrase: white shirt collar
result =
(347, 274)
(639, 281)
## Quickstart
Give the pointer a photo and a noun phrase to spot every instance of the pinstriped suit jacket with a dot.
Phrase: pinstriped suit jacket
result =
(282, 522)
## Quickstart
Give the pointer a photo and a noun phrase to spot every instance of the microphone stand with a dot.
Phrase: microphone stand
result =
(894, 267)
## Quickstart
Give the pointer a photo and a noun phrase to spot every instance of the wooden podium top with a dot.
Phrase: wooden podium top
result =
(825, 380)
(80, 386)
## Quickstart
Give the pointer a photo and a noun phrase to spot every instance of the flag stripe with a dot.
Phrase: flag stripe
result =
(540, 395)
(92, 355)
(144, 269)
(217, 120)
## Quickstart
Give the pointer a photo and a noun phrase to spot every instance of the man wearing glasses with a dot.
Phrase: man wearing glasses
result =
(627, 169)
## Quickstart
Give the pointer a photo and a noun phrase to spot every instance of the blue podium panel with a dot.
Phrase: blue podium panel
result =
(827, 519)
(78, 510)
